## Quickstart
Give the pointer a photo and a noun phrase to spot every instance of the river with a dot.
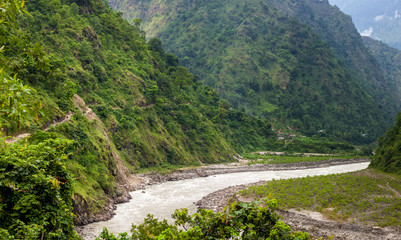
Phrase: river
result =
(161, 200)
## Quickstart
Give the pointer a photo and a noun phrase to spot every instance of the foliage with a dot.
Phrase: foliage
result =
(10, 9)
(317, 145)
(367, 196)
(15, 109)
(35, 191)
(295, 158)
(256, 220)
(388, 154)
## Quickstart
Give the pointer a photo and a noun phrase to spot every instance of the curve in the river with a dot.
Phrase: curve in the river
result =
(161, 200)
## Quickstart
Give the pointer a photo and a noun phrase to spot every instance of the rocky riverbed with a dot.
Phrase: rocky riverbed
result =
(313, 222)
(141, 181)
(162, 193)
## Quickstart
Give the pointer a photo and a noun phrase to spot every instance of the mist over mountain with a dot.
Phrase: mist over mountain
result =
(379, 19)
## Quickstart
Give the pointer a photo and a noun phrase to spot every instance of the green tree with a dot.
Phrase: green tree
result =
(36, 192)
(182, 76)
(10, 9)
(14, 106)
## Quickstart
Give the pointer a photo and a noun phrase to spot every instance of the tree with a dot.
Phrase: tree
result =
(10, 9)
(182, 76)
(14, 106)
(36, 191)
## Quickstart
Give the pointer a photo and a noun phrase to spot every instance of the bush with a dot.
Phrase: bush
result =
(35, 192)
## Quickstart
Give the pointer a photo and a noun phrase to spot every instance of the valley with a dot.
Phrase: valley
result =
(132, 107)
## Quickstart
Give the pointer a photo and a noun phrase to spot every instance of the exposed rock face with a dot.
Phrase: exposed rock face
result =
(85, 215)
(82, 209)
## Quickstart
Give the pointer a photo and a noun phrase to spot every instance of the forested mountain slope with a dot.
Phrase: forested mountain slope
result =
(388, 153)
(129, 105)
(301, 63)
(388, 58)
(338, 30)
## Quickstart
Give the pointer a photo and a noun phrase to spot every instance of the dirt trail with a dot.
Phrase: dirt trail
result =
(148, 106)
(21, 136)
(126, 183)
(387, 187)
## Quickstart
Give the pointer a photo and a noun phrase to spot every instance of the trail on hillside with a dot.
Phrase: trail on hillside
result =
(21, 136)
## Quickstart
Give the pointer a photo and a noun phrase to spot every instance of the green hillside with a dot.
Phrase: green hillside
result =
(388, 58)
(76, 70)
(388, 153)
(299, 63)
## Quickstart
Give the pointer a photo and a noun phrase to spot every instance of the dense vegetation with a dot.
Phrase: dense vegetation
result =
(256, 220)
(36, 191)
(388, 58)
(301, 63)
(388, 153)
(258, 158)
(369, 196)
(150, 111)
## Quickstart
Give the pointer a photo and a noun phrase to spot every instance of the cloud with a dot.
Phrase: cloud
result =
(397, 15)
(379, 18)
(367, 33)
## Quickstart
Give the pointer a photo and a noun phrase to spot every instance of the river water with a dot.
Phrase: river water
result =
(161, 200)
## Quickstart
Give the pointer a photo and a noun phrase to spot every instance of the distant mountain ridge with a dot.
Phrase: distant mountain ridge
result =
(388, 58)
(379, 19)
(302, 63)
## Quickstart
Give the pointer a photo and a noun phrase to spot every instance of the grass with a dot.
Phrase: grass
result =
(295, 158)
(163, 169)
(369, 196)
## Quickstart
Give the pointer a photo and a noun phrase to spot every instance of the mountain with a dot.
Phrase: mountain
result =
(301, 64)
(91, 101)
(388, 58)
(379, 19)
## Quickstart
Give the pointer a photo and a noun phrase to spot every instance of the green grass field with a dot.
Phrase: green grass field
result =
(294, 158)
(369, 196)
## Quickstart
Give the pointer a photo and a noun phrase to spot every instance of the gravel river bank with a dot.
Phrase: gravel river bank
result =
(160, 195)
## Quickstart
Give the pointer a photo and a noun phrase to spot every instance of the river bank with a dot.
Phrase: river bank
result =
(316, 223)
(142, 180)
(182, 188)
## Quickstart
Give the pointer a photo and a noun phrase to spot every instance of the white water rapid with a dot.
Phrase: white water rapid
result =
(161, 200)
